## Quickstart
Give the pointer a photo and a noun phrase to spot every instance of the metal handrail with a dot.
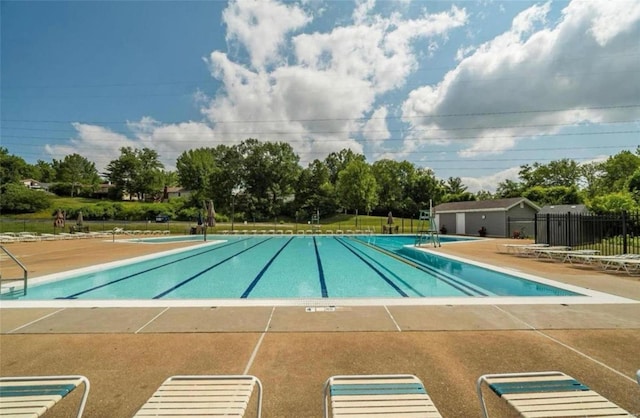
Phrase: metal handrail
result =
(24, 269)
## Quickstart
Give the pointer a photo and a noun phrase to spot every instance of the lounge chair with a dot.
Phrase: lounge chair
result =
(395, 395)
(563, 255)
(32, 396)
(227, 395)
(6, 239)
(547, 394)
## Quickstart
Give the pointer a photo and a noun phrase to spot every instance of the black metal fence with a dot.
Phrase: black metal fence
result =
(611, 233)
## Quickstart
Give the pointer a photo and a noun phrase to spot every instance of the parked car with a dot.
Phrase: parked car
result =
(162, 218)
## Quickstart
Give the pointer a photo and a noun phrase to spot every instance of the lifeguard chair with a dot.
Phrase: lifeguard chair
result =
(427, 228)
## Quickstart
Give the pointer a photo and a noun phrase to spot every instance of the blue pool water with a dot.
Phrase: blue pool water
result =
(277, 267)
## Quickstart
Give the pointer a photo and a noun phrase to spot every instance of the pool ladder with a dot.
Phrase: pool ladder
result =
(9, 291)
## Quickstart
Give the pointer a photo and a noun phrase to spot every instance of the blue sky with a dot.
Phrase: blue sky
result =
(471, 89)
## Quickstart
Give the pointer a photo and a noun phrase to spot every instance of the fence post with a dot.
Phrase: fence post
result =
(535, 228)
(624, 232)
(569, 243)
(548, 225)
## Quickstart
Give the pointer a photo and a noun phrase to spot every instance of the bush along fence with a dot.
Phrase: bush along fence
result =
(609, 233)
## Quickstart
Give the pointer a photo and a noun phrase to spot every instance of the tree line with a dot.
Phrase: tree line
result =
(260, 181)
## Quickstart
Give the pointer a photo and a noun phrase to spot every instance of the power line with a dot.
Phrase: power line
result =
(443, 138)
(626, 51)
(444, 115)
(227, 133)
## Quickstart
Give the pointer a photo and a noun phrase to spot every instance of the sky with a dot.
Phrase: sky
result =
(469, 89)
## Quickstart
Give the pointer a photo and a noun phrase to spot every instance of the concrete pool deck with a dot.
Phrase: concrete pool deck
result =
(127, 352)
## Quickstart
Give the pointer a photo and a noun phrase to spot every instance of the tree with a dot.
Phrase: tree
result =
(590, 178)
(393, 179)
(509, 188)
(336, 162)
(314, 191)
(195, 168)
(613, 202)
(77, 171)
(634, 185)
(356, 187)
(563, 172)
(12, 168)
(454, 186)
(455, 191)
(44, 172)
(556, 195)
(423, 188)
(270, 170)
(617, 169)
(136, 172)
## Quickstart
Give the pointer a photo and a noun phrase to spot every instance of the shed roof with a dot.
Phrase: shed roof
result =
(552, 209)
(494, 205)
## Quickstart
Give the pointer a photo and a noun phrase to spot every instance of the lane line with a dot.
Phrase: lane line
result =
(255, 281)
(259, 343)
(118, 280)
(36, 320)
(152, 319)
(195, 276)
(575, 350)
(372, 267)
(323, 283)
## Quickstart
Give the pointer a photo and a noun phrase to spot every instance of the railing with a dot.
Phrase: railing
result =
(609, 233)
(12, 292)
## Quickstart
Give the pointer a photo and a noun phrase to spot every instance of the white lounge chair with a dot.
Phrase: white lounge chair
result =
(190, 396)
(547, 394)
(397, 395)
(32, 396)
(7, 239)
(563, 255)
(28, 237)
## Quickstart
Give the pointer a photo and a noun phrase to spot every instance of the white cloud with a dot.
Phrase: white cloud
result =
(99, 142)
(550, 77)
(490, 182)
(104, 145)
(261, 26)
(334, 78)
(363, 7)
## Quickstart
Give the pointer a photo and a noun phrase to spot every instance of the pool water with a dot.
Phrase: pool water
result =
(284, 267)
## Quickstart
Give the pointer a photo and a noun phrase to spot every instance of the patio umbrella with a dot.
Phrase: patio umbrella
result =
(80, 220)
(165, 194)
(200, 218)
(211, 214)
(390, 218)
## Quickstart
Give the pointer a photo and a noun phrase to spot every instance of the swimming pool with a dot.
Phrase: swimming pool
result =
(290, 267)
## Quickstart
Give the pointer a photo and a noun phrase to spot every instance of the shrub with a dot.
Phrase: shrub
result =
(17, 198)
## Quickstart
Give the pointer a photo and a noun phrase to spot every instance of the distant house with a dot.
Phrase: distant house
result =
(499, 217)
(35, 184)
(178, 191)
(103, 190)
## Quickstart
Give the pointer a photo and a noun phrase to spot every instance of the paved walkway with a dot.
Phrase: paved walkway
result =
(128, 352)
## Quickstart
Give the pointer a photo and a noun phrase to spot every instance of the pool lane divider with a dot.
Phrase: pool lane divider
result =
(450, 280)
(195, 276)
(255, 281)
(91, 289)
(372, 267)
(373, 260)
(323, 283)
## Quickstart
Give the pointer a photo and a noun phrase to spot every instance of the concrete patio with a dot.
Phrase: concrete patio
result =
(127, 352)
